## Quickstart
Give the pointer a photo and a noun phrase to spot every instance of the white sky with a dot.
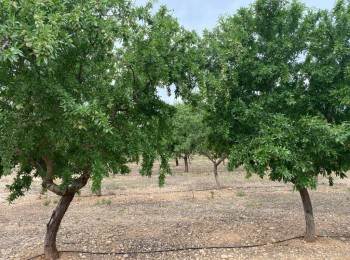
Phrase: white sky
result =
(203, 14)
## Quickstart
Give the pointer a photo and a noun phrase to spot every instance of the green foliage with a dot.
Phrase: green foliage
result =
(78, 89)
(213, 142)
(99, 171)
(327, 64)
(276, 82)
(20, 184)
(240, 193)
(1, 169)
(187, 130)
(104, 201)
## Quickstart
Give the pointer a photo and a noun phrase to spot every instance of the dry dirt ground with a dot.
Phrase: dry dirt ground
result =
(187, 219)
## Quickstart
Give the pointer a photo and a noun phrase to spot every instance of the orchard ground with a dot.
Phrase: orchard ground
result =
(135, 215)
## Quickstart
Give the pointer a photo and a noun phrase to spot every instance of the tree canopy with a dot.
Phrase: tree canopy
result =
(274, 73)
(187, 127)
(74, 72)
(78, 91)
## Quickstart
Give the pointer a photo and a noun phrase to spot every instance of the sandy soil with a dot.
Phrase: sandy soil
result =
(187, 219)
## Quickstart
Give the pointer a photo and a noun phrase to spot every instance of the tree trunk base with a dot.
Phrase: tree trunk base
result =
(186, 163)
(51, 253)
(50, 249)
(218, 185)
(310, 233)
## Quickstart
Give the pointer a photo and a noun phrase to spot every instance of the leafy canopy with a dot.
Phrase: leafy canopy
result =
(274, 74)
(187, 129)
(78, 92)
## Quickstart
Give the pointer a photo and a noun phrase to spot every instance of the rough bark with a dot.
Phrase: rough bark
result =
(310, 232)
(217, 176)
(67, 195)
(50, 249)
(186, 163)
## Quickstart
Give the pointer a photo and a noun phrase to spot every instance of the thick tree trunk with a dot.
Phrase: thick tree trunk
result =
(310, 232)
(186, 163)
(176, 161)
(50, 248)
(216, 176)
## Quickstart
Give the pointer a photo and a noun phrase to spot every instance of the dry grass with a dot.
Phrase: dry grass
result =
(135, 214)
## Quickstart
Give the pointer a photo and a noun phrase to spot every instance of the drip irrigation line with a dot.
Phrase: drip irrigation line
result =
(186, 248)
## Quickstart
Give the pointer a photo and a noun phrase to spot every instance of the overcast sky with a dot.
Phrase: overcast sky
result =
(203, 14)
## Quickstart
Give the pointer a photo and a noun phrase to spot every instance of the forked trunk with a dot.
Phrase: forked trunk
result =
(177, 161)
(310, 232)
(50, 248)
(217, 176)
(186, 163)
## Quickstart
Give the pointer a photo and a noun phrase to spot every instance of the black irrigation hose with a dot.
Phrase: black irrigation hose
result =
(186, 248)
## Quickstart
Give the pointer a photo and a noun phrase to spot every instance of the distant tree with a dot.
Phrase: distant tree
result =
(286, 115)
(186, 132)
(213, 143)
(78, 93)
(215, 157)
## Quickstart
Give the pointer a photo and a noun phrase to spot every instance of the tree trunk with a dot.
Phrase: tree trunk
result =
(186, 163)
(50, 248)
(177, 161)
(310, 232)
(216, 176)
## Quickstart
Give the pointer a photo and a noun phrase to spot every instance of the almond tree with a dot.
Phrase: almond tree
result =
(186, 132)
(78, 93)
(278, 76)
(214, 142)
(215, 157)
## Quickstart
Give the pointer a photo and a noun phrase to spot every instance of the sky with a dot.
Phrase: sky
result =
(203, 14)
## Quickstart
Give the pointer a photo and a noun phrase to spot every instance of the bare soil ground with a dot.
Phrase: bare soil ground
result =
(135, 215)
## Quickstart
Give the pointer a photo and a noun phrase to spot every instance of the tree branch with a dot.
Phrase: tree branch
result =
(5, 43)
(48, 179)
(79, 182)
(117, 109)
(36, 165)
(49, 169)
(209, 157)
(133, 74)
(80, 74)
(220, 161)
(49, 184)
